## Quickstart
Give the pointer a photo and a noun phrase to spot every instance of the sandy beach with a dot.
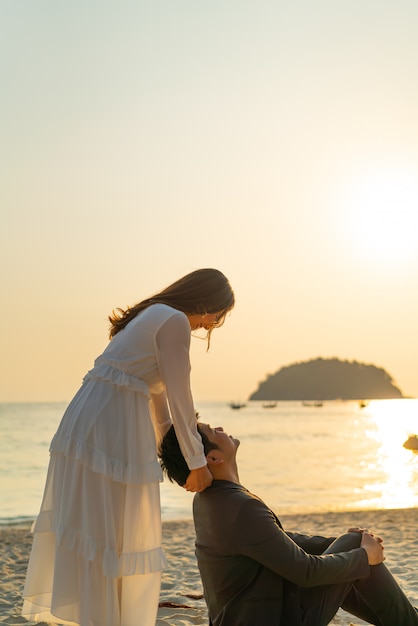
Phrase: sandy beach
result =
(181, 603)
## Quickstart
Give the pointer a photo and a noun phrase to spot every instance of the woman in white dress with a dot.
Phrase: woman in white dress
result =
(96, 558)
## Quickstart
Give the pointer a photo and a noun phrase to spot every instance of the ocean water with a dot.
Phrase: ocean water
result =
(299, 459)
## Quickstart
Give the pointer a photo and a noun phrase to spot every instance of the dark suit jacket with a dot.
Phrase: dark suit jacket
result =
(251, 568)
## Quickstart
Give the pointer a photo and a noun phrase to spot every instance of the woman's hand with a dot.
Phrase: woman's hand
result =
(198, 479)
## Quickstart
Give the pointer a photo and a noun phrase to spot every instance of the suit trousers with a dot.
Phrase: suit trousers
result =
(377, 599)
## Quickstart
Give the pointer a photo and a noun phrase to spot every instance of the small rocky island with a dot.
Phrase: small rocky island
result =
(327, 379)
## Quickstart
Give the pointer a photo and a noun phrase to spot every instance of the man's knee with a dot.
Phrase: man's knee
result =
(344, 543)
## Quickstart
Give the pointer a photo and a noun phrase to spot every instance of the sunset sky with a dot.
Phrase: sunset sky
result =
(276, 141)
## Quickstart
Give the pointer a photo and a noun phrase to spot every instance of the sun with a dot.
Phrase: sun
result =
(381, 215)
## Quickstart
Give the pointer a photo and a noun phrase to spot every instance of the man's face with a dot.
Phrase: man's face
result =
(224, 442)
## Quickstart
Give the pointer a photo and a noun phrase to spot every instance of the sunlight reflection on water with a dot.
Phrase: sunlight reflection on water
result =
(396, 472)
(337, 457)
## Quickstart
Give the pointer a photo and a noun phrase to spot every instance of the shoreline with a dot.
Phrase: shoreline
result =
(25, 521)
(181, 603)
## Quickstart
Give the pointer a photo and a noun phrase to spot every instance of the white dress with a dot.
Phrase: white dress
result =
(96, 558)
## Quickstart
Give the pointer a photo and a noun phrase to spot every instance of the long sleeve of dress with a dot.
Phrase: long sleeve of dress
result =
(172, 350)
(162, 420)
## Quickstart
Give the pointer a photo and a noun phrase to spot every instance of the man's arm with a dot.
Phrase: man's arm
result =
(262, 539)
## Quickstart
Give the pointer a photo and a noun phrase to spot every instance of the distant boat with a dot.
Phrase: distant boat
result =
(237, 405)
(411, 443)
(269, 405)
(362, 404)
(317, 404)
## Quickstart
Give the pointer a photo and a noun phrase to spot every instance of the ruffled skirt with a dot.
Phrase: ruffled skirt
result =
(96, 557)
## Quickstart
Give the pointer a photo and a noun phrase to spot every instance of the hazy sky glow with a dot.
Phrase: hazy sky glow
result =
(275, 141)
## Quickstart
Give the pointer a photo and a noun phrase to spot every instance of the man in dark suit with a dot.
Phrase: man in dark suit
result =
(254, 573)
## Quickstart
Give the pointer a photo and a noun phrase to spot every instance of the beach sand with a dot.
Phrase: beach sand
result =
(181, 602)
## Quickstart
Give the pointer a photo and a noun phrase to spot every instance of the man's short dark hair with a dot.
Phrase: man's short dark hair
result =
(172, 460)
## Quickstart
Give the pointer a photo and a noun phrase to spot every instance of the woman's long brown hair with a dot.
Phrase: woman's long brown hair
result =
(202, 291)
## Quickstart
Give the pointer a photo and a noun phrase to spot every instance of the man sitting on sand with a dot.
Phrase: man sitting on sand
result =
(256, 574)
